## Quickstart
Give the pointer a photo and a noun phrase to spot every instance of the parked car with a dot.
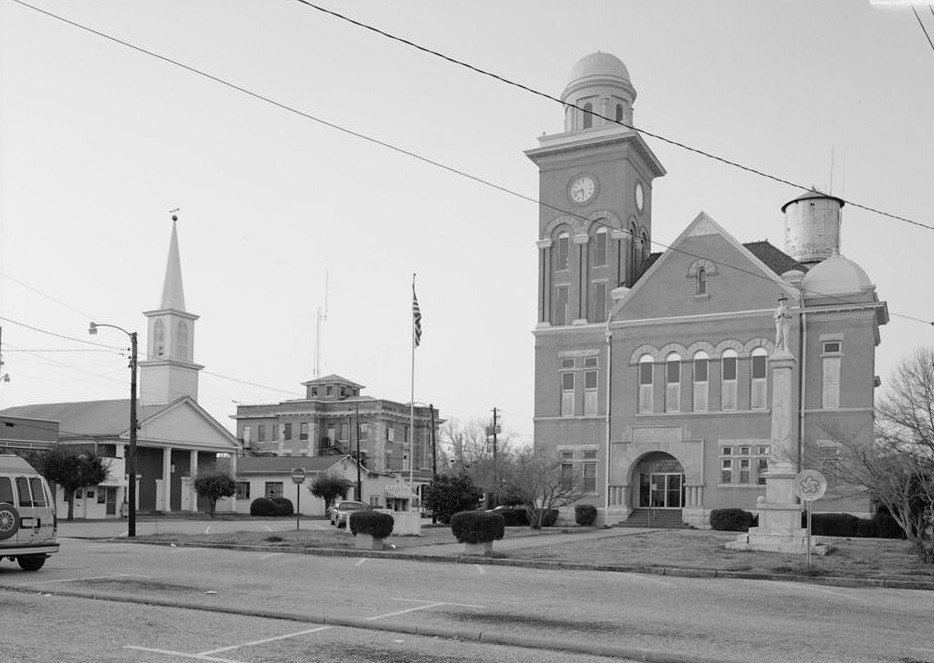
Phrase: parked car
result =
(341, 511)
(513, 516)
(28, 524)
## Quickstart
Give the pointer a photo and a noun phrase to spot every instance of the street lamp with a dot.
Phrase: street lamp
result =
(131, 470)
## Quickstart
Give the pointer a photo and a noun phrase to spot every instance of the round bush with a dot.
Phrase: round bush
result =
(585, 514)
(262, 506)
(477, 526)
(284, 506)
(376, 524)
(731, 520)
(276, 506)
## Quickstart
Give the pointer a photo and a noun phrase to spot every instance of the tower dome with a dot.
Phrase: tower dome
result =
(598, 85)
(812, 227)
(836, 276)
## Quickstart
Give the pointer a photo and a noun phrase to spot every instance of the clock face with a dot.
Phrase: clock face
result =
(640, 196)
(582, 188)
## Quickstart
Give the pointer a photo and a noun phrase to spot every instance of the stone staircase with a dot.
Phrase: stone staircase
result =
(646, 517)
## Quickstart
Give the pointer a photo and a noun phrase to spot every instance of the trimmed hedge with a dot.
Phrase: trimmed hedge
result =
(517, 517)
(585, 514)
(376, 524)
(477, 526)
(882, 525)
(731, 520)
(276, 506)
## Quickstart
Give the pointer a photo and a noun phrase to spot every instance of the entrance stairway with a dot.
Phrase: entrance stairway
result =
(646, 517)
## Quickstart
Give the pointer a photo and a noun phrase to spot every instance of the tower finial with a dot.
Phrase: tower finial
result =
(174, 215)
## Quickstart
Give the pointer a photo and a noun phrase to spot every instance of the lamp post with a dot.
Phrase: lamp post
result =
(131, 461)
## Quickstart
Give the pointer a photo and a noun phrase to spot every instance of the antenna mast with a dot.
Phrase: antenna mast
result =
(322, 315)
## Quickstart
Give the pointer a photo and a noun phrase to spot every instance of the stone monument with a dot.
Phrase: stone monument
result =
(779, 527)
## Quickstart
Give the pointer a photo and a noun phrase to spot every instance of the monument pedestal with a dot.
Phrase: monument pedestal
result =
(779, 527)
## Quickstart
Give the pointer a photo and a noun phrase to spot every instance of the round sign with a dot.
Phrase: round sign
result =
(298, 475)
(810, 485)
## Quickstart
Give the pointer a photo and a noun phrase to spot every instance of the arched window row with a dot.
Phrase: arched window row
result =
(602, 218)
(675, 387)
(714, 352)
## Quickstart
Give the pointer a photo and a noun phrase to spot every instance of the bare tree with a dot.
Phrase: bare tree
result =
(469, 446)
(897, 466)
(540, 481)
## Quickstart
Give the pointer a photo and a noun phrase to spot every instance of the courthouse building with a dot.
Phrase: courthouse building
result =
(652, 379)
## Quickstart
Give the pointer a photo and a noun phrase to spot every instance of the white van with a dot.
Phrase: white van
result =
(28, 524)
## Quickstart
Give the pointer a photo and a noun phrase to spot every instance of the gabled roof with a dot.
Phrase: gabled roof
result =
(109, 419)
(775, 259)
(705, 225)
(86, 418)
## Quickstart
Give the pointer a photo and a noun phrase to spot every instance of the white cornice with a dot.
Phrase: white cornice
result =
(683, 319)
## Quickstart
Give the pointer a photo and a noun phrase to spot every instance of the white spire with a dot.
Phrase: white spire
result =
(173, 294)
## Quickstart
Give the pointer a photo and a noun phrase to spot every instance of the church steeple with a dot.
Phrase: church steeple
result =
(173, 294)
(169, 370)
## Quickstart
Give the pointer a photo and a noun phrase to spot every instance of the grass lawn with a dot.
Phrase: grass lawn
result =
(694, 549)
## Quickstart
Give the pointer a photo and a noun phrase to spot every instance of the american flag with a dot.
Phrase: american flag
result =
(416, 318)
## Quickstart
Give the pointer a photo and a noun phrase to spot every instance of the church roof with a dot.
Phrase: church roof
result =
(173, 294)
(775, 259)
(86, 418)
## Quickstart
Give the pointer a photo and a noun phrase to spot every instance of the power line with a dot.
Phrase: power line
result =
(438, 164)
(924, 29)
(565, 104)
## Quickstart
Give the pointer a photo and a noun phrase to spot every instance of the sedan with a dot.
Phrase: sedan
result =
(341, 511)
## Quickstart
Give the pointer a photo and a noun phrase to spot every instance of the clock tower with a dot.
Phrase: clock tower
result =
(595, 192)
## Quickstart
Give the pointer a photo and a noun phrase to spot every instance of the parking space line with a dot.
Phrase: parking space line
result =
(402, 612)
(181, 654)
(265, 640)
(270, 555)
(362, 560)
(207, 530)
(459, 605)
(479, 569)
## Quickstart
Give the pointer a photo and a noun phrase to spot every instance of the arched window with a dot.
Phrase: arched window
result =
(181, 340)
(600, 244)
(588, 115)
(646, 247)
(759, 382)
(619, 112)
(701, 281)
(728, 380)
(633, 255)
(646, 379)
(564, 250)
(701, 372)
(158, 343)
(673, 383)
(599, 301)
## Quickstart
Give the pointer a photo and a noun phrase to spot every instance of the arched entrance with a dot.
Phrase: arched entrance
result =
(660, 482)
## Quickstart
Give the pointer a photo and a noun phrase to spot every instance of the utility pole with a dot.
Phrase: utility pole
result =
(434, 455)
(357, 434)
(495, 466)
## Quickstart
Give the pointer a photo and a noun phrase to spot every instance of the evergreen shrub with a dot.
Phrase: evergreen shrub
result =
(284, 506)
(886, 526)
(585, 514)
(477, 526)
(376, 524)
(831, 524)
(731, 520)
(275, 506)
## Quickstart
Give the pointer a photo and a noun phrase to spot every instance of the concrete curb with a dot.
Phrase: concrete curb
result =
(678, 572)
(526, 642)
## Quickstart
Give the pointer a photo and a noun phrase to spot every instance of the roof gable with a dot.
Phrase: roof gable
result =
(737, 278)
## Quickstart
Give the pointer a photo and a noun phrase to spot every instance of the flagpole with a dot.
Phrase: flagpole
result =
(412, 404)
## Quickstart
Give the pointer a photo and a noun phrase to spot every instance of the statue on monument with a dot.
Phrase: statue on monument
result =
(782, 325)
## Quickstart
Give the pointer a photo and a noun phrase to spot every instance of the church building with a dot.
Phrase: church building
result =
(653, 379)
(176, 437)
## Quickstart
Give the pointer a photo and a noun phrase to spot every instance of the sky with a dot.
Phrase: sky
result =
(99, 142)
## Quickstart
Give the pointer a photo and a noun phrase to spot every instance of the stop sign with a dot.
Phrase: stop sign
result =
(298, 475)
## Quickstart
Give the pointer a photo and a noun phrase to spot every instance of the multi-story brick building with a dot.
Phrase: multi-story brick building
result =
(652, 373)
(335, 417)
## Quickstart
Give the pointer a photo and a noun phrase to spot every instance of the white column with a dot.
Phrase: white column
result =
(193, 472)
(167, 479)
